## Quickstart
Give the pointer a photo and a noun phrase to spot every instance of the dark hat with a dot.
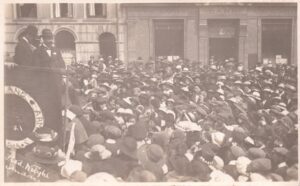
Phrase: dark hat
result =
(76, 110)
(260, 165)
(160, 138)
(112, 132)
(128, 146)
(256, 153)
(95, 139)
(237, 151)
(138, 131)
(31, 30)
(139, 174)
(151, 154)
(47, 34)
(200, 169)
(180, 164)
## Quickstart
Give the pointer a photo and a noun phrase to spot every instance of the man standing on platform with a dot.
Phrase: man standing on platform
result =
(47, 55)
(50, 69)
(25, 47)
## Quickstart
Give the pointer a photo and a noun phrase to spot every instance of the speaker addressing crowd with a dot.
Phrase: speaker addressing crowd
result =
(167, 121)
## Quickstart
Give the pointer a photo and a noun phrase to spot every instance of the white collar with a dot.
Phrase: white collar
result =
(111, 141)
(25, 39)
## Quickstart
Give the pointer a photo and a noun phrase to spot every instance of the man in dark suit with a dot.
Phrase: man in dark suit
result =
(47, 55)
(50, 68)
(25, 47)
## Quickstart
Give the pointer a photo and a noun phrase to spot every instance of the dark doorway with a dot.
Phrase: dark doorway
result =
(169, 38)
(65, 41)
(223, 48)
(223, 39)
(107, 45)
(276, 38)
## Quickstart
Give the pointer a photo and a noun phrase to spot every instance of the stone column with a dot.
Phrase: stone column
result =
(203, 42)
(243, 58)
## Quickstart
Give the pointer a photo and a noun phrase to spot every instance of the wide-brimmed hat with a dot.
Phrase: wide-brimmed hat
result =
(98, 152)
(70, 167)
(128, 146)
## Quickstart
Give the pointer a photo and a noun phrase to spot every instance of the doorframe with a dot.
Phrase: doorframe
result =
(152, 34)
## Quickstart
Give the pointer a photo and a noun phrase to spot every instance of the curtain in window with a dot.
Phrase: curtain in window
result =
(57, 10)
(70, 10)
(91, 7)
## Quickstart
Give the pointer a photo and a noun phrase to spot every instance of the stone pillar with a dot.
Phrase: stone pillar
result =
(191, 45)
(259, 40)
(131, 40)
(243, 58)
(203, 42)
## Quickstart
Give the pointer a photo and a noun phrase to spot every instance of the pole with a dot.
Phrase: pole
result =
(65, 119)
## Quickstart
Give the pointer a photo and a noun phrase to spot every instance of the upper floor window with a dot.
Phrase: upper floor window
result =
(63, 10)
(96, 10)
(28, 10)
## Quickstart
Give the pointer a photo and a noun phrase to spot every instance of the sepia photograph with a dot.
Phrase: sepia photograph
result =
(162, 92)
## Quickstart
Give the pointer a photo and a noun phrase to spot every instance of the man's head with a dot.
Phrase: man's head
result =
(31, 33)
(47, 37)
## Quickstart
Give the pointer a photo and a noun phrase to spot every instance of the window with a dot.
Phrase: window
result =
(63, 10)
(28, 10)
(96, 10)
(276, 39)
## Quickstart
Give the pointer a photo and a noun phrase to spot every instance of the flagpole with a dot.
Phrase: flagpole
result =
(65, 119)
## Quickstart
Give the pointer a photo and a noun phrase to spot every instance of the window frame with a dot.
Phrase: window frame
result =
(54, 14)
(104, 11)
(18, 12)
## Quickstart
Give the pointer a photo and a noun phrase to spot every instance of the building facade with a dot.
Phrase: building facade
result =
(247, 32)
(80, 30)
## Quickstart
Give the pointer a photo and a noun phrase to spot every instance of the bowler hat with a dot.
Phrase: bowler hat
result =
(31, 30)
(47, 34)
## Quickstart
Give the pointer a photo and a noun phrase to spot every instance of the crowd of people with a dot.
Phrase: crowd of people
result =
(161, 121)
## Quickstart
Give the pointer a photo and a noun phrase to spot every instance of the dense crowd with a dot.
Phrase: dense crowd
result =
(157, 121)
(162, 121)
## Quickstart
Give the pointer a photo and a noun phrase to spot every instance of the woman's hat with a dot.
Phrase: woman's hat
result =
(98, 152)
(70, 167)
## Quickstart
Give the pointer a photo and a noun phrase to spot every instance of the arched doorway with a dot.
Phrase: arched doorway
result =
(65, 41)
(107, 43)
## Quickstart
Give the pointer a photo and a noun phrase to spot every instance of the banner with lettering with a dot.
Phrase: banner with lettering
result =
(32, 99)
